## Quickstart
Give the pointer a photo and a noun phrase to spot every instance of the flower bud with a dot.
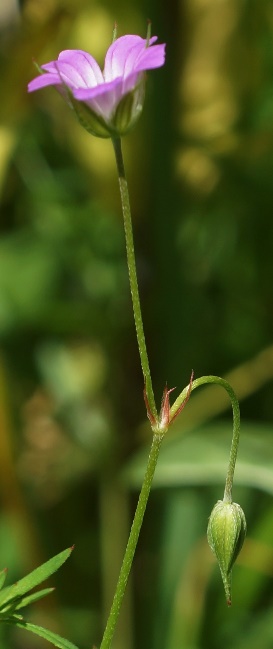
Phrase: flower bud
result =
(226, 534)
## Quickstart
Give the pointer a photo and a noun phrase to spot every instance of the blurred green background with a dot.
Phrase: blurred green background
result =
(73, 439)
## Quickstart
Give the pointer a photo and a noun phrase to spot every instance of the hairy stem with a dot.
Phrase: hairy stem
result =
(126, 210)
(132, 543)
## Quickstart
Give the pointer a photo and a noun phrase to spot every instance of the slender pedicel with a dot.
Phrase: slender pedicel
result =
(126, 210)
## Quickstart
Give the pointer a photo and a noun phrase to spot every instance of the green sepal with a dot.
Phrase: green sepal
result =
(38, 67)
(92, 123)
(129, 110)
(124, 118)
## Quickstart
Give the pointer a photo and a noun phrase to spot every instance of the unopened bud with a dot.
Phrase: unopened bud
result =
(226, 535)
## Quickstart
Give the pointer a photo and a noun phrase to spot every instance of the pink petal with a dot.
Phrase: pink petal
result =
(123, 54)
(69, 75)
(44, 80)
(151, 57)
(74, 68)
(103, 99)
(84, 64)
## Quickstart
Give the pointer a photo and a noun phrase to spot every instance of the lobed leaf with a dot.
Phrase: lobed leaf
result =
(34, 578)
(54, 638)
(29, 599)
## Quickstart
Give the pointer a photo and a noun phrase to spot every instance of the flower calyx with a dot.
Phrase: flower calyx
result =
(160, 424)
(226, 534)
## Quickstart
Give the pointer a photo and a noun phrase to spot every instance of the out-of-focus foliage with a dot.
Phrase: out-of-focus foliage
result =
(71, 410)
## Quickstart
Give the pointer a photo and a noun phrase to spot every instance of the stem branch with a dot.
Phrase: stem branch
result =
(236, 424)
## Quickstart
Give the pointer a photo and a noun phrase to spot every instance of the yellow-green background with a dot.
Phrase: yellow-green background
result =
(73, 438)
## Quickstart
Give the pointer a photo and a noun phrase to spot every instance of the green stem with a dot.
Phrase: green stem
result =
(125, 202)
(132, 543)
(236, 424)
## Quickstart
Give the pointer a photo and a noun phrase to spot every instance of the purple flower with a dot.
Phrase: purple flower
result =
(107, 103)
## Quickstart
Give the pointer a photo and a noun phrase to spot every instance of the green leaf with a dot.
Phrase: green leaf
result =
(3, 574)
(54, 638)
(34, 578)
(10, 618)
(29, 599)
